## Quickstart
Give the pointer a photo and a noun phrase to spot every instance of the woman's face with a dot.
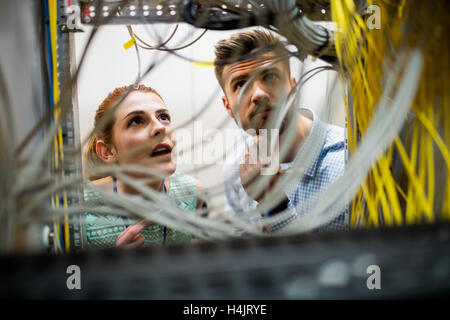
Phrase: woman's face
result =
(142, 133)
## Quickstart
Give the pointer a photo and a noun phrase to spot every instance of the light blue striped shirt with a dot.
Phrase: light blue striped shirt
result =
(302, 195)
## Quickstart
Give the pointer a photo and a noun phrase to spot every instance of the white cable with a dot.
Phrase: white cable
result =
(378, 137)
(305, 34)
(138, 78)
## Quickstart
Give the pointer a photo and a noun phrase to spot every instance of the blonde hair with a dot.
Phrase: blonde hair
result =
(91, 158)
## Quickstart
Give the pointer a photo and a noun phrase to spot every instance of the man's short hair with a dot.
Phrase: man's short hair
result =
(246, 45)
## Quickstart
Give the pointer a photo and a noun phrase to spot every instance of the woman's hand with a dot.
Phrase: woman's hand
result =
(131, 238)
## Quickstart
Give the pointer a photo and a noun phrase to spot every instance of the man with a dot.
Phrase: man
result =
(254, 72)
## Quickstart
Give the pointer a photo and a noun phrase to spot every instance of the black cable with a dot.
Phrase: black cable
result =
(174, 49)
(159, 45)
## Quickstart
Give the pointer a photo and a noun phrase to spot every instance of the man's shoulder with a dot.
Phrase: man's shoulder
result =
(332, 157)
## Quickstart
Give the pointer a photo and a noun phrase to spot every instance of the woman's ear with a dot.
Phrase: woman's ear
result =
(104, 152)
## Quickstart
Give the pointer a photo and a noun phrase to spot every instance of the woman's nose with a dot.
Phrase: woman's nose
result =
(157, 128)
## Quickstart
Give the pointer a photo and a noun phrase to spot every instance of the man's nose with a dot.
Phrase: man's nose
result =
(260, 96)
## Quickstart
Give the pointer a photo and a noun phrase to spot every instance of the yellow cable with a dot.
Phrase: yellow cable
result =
(58, 141)
(365, 55)
(381, 196)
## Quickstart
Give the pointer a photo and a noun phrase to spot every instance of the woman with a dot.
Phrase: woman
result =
(139, 133)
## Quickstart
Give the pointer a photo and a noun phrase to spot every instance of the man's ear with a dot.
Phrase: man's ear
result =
(293, 82)
(104, 152)
(227, 106)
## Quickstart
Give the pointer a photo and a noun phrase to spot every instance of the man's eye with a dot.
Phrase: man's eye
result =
(136, 121)
(239, 84)
(271, 77)
(164, 117)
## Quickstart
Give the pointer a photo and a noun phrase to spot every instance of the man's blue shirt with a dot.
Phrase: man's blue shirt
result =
(303, 195)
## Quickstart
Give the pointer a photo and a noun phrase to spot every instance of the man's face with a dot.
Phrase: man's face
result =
(262, 96)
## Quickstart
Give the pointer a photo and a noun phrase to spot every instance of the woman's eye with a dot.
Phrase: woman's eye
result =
(164, 117)
(136, 121)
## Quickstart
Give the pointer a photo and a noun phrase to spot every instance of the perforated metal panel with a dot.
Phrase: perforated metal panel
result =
(414, 263)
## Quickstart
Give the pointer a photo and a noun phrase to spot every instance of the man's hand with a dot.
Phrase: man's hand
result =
(131, 238)
(250, 172)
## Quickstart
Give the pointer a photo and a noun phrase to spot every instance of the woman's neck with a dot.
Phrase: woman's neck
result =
(155, 185)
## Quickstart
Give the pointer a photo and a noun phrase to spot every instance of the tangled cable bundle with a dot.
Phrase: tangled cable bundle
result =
(398, 128)
(409, 182)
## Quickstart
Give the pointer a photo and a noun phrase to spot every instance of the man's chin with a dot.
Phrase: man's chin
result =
(268, 130)
(255, 127)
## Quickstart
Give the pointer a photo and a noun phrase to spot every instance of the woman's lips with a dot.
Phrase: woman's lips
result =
(161, 149)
